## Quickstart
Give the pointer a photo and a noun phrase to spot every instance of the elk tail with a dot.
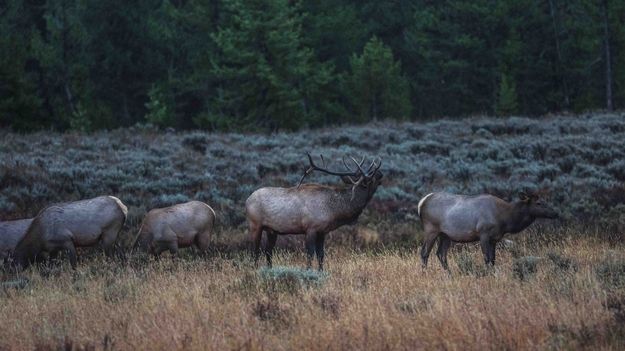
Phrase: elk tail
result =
(122, 208)
(421, 203)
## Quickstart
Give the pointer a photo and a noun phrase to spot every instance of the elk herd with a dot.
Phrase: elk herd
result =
(312, 210)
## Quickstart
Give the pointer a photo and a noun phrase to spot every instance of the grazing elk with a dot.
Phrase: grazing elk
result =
(176, 226)
(69, 225)
(310, 209)
(11, 232)
(483, 218)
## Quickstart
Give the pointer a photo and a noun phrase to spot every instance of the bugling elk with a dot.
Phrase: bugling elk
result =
(311, 209)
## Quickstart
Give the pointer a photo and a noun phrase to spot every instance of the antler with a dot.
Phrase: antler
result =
(370, 171)
(349, 169)
(314, 167)
(359, 165)
(356, 177)
(356, 184)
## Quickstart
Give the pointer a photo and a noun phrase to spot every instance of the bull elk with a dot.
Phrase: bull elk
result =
(483, 218)
(310, 209)
(176, 226)
(11, 232)
(69, 225)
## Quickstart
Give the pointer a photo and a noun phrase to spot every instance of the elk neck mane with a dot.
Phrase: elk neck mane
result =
(343, 205)
(516, 217)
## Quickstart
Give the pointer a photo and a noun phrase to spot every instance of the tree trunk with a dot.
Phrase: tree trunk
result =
(65, 46)
(559, 70)
(608, 56)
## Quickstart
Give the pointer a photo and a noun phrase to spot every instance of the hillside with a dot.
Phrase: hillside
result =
(579, 161)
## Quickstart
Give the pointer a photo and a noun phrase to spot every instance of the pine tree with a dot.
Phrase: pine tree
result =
(20, 105)
(60, 50)
(376, 85)
(507, 97)
(263, 73)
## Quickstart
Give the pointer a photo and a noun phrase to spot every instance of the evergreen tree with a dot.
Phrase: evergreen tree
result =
(244, 64)
(60, 51)
(264, 75)
(20, 105)
(616, 16)
(506, 99)
(335, 30)
(125, 62)
(376, 85)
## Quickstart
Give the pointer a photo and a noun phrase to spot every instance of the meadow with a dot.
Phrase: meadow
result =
(563, 291)
(560, 284)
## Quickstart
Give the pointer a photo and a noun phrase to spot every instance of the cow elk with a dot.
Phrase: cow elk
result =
(177, 226)
(483, 218)
(310, 209)
(69, 225)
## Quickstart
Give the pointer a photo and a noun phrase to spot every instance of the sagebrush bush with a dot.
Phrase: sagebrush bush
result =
(561, 262)
(525, 267)
(291, 279)
(578, 160)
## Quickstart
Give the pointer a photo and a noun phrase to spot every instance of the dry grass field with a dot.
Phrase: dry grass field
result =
(556, 289)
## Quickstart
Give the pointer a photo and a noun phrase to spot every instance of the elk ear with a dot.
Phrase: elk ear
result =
(524, 197)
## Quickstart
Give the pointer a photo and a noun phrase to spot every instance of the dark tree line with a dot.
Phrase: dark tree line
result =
(284, 64)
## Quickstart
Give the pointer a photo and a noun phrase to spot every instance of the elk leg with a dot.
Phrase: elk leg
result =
(173, 249)
(311, 243)
(54, 254)
(443, 245)
(157, 249)
(429, 238)
(40, 258)
(493, 245)
(202, 240)
(319, 247)
(488, 250)
(109, 237)
(256, 234)
(71, 252)
(271, 242)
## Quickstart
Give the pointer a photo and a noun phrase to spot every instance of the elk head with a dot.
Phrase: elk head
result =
(368, 179)
(536, 207)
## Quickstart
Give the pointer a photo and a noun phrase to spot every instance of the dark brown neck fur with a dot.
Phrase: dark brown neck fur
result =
(517, 217)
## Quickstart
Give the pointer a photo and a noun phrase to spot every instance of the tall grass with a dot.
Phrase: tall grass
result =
(366, 300)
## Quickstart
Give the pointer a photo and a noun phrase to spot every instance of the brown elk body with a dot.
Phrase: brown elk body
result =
(11, 232)
(311, 209)
(484, 218)
(176, 226)
(69, 225)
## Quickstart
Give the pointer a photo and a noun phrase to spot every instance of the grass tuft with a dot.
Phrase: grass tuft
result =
(525, 267)
(291, 279)
(611, 272)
